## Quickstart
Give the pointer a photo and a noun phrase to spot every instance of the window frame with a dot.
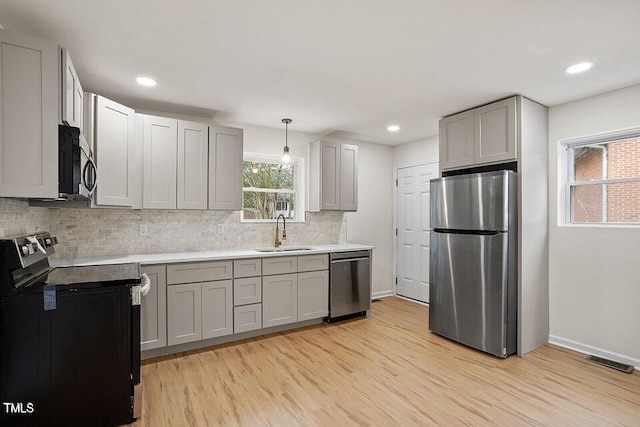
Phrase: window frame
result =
(569, 181)
(298, 185)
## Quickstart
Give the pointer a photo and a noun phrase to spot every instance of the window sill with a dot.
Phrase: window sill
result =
(597, 225)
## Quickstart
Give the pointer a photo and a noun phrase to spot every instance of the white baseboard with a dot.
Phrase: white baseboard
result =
(588, 349)
(382, 294)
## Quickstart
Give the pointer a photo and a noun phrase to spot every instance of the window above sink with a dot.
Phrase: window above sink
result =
(271, 188)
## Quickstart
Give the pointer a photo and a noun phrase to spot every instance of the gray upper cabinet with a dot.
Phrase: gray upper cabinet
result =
(184, 313)
(115, 151)
(225, 168)
(153, 310)
(29, 115)
(72, 93)
(193, 140)
(495, 132)
(456, 140)
(333, 176)
(348, 177)
(279, 300)
(217, 309)
(480, 136)
(160, 152)
(330, 172)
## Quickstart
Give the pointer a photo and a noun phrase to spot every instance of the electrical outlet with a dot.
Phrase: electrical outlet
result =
(144, 230)
(220, 228)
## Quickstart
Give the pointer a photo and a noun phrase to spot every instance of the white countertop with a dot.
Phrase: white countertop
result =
(167, 258)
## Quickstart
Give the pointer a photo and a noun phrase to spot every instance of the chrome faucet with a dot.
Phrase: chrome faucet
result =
(284, 230)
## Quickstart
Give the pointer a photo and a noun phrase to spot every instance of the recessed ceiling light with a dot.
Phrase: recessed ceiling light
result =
(393, 128)
(578, 68)
(146, 81)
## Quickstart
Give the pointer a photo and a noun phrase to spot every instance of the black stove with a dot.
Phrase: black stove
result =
(69, 338)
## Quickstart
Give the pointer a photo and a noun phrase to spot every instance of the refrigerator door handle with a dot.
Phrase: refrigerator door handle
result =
(470, 232)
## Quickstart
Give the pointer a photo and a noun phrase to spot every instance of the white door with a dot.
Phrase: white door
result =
(412, 268)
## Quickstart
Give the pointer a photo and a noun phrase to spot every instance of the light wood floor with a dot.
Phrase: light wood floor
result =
(386, 370)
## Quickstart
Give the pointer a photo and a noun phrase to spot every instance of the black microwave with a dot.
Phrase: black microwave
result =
(77, 172)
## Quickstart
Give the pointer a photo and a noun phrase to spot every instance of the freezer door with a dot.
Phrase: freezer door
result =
(468, 289)
(480, 201)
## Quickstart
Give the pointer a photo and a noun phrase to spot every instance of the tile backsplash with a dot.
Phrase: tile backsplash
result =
(95, 232)
(17, 217)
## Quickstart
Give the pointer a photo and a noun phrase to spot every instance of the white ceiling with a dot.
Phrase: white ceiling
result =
(350, 67)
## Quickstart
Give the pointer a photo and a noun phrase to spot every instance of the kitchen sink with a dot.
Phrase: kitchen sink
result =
(289, 249)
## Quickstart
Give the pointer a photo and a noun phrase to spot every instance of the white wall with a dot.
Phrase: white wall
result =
(372, 224)
(411, 153)
(594, 272)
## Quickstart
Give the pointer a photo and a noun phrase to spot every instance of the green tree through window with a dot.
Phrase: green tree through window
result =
(268, 190)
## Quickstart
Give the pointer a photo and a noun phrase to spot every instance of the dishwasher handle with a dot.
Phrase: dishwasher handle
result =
(336, 261)
(348, 256)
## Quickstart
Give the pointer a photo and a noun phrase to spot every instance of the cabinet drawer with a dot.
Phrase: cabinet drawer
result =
(313, 262)
(247, 291)
(247, 318)
(279, 265)
(192, 272)
(247, 267)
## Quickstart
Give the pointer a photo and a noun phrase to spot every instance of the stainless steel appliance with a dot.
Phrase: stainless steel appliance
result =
(473, 262)
(349, 283)
(77, 172)
(69, 338)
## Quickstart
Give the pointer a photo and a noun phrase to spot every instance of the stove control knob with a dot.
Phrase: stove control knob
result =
(24, 249)
(47, 243)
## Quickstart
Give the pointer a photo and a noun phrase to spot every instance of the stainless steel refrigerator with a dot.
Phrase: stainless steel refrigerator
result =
(473, 263)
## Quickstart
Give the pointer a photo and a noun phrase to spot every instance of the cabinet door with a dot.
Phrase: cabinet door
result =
(153, 310)
(72, 94)
(348, 177)
(456, 141)
(330, 175)
(225, 168)
(313, 295)
(193, 148)
(184, 313)
(495, 132)
(160, 151)
(114, 143)
(29, 114)
(279, 300)
(217, 309)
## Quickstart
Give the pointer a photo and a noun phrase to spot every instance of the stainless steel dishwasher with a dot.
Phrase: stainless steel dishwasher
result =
(349, 283)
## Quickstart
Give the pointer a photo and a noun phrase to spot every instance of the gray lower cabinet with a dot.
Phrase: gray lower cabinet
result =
(279, 300)
(217, 309)
(247, 318)
(313, 295)
(184, 313)
(153, 310)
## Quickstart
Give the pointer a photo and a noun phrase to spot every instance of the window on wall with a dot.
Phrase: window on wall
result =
(603, 179)
(271, 188)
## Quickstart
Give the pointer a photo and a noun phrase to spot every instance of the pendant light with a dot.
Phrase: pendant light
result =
(285, 157)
